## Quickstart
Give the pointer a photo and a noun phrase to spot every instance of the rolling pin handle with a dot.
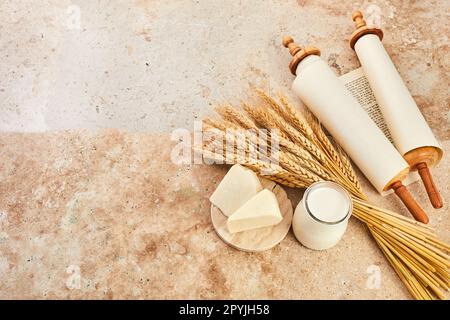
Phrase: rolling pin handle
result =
(407, 199)
(288, 42)
(358, 18)
(432, 191)
(298, 53)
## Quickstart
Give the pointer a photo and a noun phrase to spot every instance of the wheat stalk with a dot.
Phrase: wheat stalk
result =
(298, 122)
(290, 155)
(340, 163)
(330, 158)
(290, 164)
(270, 171)
(348, 169)
(235, 116)
(270, 119)
(289, 113)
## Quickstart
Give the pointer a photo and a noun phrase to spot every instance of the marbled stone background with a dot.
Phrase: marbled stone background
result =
(91, 205)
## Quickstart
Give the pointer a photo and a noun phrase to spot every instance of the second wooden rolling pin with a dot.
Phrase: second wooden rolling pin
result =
(412, 136)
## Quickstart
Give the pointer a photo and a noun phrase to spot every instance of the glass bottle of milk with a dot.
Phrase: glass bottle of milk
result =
(321, 217)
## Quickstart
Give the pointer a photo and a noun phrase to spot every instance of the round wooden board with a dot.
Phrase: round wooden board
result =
(260, 239)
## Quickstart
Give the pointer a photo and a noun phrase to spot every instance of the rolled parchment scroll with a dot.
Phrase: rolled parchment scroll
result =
(410, 132)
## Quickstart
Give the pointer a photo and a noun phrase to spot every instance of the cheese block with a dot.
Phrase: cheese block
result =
(260, 211)
(237, 187)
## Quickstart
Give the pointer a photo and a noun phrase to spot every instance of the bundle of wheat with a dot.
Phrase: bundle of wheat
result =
(304, 155)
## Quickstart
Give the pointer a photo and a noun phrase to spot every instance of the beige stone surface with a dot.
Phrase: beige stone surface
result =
(89, 213)
(154, 65)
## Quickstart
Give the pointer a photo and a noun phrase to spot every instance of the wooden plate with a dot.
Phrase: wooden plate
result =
(260, 239)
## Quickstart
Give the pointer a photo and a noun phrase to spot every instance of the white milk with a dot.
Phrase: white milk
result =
(321, 218)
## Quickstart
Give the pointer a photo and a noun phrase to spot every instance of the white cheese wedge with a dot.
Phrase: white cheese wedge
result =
(237, 187)
(260, 211)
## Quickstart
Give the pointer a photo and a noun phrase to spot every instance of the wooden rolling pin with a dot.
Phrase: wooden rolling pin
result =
(412, 136)
(326, 96)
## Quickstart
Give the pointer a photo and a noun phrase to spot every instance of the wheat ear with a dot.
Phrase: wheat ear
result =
(270, 171)
(297, 119)
(348, 168)
(236, 116)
